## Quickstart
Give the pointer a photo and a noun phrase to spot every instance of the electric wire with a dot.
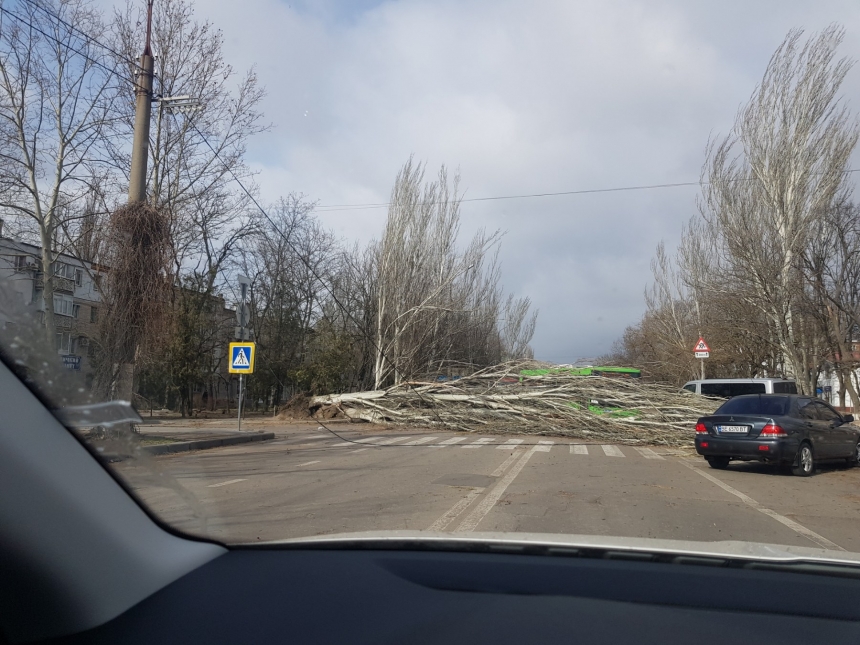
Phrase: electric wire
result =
(83, 55)
(35, 4)
(328, 208)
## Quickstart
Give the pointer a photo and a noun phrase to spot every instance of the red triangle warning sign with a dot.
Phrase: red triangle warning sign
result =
(701, 346)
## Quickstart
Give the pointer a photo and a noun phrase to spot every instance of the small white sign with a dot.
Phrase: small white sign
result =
(703, 354)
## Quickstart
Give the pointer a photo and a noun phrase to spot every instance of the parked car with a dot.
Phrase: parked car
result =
(783, 429)
(726, 388)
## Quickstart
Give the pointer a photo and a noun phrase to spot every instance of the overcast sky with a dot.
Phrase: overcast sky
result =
(522, 97)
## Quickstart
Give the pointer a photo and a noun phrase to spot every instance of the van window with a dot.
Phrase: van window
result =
(691, 387)
(785, 388)
(728, 390)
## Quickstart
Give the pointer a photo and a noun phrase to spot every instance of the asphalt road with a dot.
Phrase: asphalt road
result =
(309, 482)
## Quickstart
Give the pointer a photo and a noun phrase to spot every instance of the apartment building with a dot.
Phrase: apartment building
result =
(76, 296)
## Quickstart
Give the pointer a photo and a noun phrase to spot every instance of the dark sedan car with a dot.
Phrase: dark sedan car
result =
(783, 429)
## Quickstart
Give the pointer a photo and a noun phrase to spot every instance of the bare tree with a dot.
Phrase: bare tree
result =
(781, 167)
(58, 95)
(435, 305)
(517, 328)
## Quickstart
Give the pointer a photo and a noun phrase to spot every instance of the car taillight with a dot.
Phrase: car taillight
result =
(701, 429)
(773, 430)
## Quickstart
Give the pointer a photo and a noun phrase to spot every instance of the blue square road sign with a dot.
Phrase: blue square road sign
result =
(242, 357)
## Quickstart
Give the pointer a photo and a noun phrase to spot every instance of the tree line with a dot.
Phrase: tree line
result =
(768, 271)
(327, 316)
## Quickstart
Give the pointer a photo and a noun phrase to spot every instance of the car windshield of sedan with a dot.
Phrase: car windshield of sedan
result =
(295, 269)
(765, 405)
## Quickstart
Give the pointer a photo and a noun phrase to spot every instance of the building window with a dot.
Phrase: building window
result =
(64, 342)
(24, 262)
(63, 305)
(94, 314)
(79, 278)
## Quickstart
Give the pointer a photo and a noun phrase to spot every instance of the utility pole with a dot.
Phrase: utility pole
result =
(137, 176)
(242, 332)
(142, 117)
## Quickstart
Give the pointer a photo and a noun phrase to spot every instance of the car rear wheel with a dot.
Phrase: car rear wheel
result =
(805, 465)
(718, 462)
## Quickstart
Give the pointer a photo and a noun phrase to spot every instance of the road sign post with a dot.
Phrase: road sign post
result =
(242, 357)
(702, 351)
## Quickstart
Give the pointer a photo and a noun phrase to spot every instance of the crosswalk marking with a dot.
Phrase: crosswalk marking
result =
(416, 442)
(543, 446)
(448, 442)
(433, 441)
(308, 463)
(647, 453)
(479, 442)
(388, 442)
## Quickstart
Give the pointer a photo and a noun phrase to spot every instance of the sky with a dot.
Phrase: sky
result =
(519, 97)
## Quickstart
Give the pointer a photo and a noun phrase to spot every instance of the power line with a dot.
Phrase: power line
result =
(326, 208)
(83, 34)
(15, 16)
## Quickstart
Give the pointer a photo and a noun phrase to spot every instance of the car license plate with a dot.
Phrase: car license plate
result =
(733, 429)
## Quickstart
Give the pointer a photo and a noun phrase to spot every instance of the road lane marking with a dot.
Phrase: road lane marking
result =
(612, 451)
(543, 446)
(480, 442)
(352, 452)
(498, 472)
(490, 499)
(578, 449)
(417, 442)
(510, 443)
(451, 514)
(448, 442)
(308, 463)
(232, 481)
(820, 540)
(316, 436)
(647, 453)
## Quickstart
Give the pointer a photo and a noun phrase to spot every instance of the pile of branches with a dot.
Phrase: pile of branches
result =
(501, 400)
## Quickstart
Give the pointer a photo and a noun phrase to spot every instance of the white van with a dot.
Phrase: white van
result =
(728, 387)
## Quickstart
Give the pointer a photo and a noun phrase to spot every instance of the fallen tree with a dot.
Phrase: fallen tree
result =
(501, 399)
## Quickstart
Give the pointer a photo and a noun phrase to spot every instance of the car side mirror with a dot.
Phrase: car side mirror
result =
(848, 418)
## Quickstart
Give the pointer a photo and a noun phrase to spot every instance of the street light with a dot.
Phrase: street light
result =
(183, 104)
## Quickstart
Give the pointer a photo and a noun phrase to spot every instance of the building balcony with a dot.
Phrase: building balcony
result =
(63, 285)
(64, 323)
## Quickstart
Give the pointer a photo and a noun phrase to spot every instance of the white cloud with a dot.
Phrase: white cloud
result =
(522, 96)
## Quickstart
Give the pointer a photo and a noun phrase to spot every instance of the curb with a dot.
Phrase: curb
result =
(205, 444)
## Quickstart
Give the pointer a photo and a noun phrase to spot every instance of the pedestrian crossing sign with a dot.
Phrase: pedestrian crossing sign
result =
(242, 358)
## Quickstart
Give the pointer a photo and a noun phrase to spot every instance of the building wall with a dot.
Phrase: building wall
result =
(76, 297)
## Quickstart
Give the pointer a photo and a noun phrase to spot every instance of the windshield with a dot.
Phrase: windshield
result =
(295, 270)
(766, 405)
